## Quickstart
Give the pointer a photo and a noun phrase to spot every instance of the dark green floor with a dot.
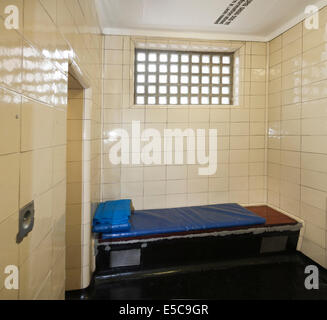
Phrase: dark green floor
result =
(273, 278)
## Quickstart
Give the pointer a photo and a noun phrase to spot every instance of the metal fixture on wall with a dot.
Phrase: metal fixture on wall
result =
(26, 221)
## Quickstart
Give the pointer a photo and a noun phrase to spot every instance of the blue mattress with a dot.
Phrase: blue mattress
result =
(163, 221)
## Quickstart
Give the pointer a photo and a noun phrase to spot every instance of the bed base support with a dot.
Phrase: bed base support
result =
(117, 258)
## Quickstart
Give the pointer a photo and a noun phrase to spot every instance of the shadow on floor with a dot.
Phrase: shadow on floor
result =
(269, 279)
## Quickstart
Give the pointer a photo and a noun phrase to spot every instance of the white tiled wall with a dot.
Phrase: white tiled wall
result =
(297, 154)
(33, 111)
(241, 156)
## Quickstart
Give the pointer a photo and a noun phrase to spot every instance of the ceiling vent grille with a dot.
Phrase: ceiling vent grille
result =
(233, 10)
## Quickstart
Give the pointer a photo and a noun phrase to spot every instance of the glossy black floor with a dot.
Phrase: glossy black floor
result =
(273, 277)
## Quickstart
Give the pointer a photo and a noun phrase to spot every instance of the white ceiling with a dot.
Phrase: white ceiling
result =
(261, 20)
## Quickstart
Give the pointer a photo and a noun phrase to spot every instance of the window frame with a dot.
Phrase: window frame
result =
(168, 63)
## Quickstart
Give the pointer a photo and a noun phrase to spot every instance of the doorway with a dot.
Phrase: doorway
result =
(78, 193)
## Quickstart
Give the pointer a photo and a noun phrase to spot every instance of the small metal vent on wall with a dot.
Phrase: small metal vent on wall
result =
(233, 10)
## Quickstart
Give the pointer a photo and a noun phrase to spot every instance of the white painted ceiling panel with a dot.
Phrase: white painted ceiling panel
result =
(260, 19)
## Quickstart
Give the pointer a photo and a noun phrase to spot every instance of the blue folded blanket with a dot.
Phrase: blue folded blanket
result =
(112, 216)
(107, 228)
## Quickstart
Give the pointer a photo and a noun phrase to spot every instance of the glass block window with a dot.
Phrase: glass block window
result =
(183, 78)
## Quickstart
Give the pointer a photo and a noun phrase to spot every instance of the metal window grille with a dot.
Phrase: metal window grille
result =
(183, 78)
